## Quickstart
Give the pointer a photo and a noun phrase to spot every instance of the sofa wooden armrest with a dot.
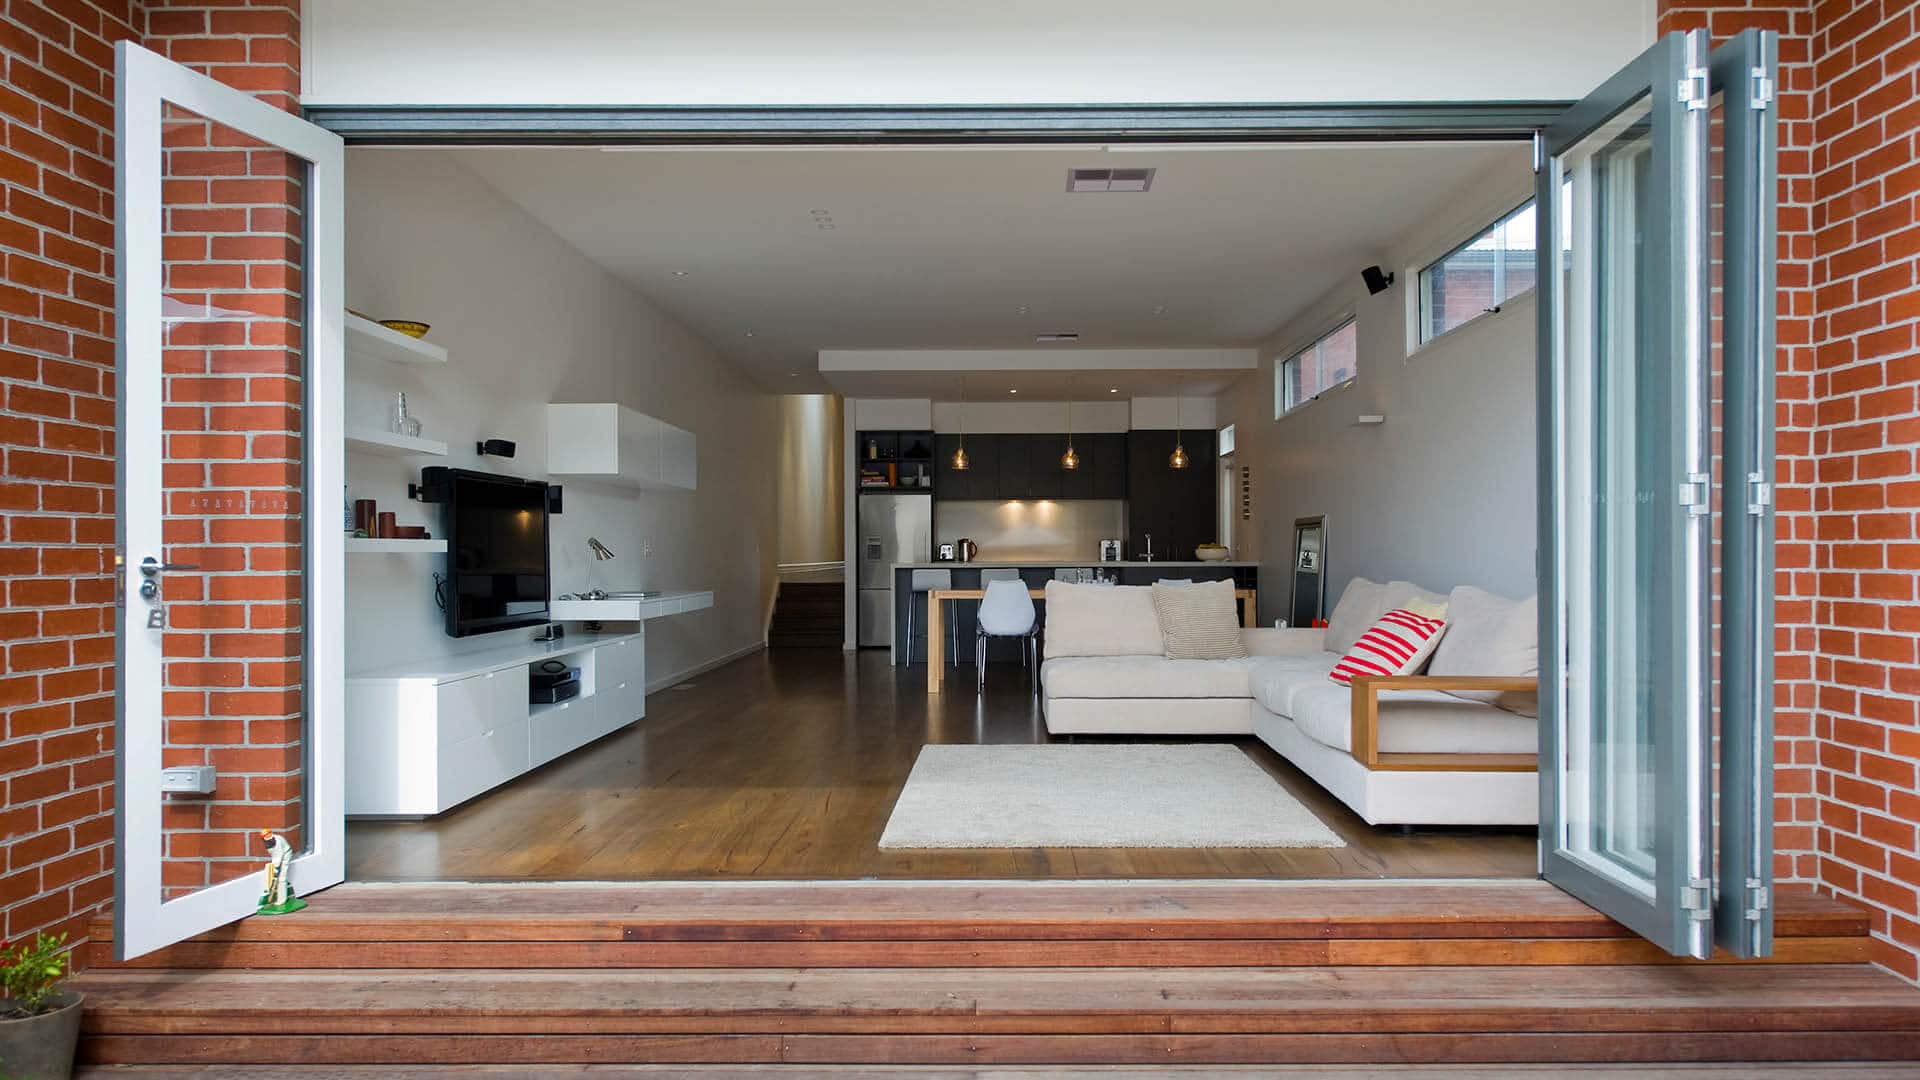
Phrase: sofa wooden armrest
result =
(1365, 739)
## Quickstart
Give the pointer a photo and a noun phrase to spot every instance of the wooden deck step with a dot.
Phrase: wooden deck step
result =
(1787, 1070)
(1011, 1017)
(937, 924)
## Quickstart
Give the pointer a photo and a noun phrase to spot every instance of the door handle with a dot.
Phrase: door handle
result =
(151, 566)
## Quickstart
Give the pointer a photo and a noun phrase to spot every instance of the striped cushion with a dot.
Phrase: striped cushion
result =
(1198, 622)
(1396, 644)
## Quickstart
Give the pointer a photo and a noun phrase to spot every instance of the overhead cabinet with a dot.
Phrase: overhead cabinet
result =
(619, 445)
(1028, 467)
(1178, 507)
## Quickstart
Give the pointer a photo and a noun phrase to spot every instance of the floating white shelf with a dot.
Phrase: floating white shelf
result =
(388, 444)
(367, 545)
(375, 342)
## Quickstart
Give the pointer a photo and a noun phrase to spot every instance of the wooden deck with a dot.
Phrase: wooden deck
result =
(985, 975)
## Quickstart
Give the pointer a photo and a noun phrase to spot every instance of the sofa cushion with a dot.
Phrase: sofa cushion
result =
(1276, 679)
(1144, 677)
(1199, 622)
(1101, 620)
(1491, 635)
(1398, 643)
(1362, 602)
(1415, 722)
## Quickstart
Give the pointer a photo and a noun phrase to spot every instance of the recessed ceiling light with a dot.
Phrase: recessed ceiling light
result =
(1113, 389)
(749, 333)
(1010, 390)
(679, 273)
(1022, 309)
(1160, 310)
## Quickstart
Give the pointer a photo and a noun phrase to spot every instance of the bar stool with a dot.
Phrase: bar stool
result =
(926, 581)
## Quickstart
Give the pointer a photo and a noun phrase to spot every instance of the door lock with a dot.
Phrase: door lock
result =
(149, 589)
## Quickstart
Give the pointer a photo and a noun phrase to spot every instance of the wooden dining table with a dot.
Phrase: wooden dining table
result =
(937, 626)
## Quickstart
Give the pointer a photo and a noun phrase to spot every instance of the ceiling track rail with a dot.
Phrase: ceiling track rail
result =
(906, 125)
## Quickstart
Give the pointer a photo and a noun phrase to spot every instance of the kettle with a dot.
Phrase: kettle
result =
(965, 549)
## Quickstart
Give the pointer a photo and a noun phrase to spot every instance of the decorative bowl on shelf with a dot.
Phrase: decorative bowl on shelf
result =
(1210, 553)
(406, 326)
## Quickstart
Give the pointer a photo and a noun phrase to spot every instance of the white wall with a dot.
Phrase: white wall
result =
(527, 321)
(1443, 493)
(916, 51)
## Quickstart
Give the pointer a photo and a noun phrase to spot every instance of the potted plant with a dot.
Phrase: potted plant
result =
(39, 1025)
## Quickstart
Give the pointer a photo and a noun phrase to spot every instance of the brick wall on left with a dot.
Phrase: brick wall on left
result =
(57, 416)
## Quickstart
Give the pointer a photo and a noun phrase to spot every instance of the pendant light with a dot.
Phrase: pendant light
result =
(960, 462)
(1178, 459)
(1070, 460)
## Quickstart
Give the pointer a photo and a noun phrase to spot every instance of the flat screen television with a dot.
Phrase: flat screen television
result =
(497, 550)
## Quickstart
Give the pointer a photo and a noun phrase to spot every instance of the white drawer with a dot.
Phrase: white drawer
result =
(467, 708)
(471, 766)
(553, 730)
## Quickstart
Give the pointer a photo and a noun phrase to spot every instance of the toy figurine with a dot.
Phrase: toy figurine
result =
(279, 898)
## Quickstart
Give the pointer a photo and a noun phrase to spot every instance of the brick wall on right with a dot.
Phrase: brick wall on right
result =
(1848, 601)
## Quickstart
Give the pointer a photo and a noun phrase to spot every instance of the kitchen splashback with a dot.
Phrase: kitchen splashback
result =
(1031, 529)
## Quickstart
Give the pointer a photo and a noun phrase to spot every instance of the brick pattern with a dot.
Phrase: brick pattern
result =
(1866, 220)
(56, 416)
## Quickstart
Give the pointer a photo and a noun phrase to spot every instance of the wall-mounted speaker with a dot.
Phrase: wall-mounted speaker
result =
(1377, 279)
(553, 498)
(494, 448)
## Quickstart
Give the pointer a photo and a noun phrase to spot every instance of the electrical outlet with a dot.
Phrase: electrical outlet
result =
(187, 779)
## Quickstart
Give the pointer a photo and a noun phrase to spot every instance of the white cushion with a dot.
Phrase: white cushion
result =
(1283, 640)
(1363, 602)
(1491, 635)
(1144, 677)
(1101, 620)
(1199, 622)
(1275, 679)
(1415, 722)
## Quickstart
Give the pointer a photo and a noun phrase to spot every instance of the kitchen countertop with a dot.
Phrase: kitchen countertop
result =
(1050, 564)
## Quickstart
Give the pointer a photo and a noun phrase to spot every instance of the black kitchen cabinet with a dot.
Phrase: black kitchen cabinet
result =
(949, 482)
(1076, 483)
(1045, 478)
(1103, 458)
(1178, 507)
(1015, 468)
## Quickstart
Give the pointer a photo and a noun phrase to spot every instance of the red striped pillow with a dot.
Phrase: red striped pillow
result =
(1396, 644)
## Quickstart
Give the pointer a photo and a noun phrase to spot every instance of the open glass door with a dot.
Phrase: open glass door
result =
(229, 694)
(1627, 491)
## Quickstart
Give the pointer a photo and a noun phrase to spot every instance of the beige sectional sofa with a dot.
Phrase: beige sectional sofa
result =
(1455, 745)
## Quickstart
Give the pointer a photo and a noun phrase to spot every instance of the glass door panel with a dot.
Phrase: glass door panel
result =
(1625, 486)
(229, 688)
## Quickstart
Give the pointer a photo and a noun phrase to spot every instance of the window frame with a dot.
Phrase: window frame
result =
(1420, 288)
(1284, 408)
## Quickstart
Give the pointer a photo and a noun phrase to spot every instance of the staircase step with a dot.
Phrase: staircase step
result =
(1021, 1016)
(960, 924)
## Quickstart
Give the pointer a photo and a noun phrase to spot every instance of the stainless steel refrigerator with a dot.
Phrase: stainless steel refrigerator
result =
(893, 529)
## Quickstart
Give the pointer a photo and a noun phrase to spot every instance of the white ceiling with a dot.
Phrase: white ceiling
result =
(981, 247)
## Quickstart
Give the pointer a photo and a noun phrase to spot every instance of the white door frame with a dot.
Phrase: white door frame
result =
(146, 82)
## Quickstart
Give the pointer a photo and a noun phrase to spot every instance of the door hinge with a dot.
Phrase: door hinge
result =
(1693, 494)
(1759, 494)
(1762, 95)
(1539, 150)
(1693, 91)
(1696, 899)
(1759, 899)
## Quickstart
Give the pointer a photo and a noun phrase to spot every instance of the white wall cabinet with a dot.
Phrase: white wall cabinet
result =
(420, 742)
(620, 445)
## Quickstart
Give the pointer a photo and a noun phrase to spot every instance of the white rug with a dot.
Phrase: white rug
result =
(1134, 796)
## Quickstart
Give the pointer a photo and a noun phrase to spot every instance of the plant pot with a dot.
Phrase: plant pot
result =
(40, 1047)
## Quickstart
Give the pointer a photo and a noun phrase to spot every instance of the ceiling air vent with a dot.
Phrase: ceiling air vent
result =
(1055, 338)
(1084, 180)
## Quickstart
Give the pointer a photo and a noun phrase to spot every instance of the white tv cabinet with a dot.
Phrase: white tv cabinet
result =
(424, 738)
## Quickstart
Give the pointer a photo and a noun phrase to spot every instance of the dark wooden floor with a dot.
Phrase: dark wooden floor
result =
(786, 765)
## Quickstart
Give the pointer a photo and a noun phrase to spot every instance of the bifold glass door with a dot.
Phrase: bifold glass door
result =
(229, 710)
(1630, 477)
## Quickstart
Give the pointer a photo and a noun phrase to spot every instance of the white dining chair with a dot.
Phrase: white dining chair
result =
(1005, 611)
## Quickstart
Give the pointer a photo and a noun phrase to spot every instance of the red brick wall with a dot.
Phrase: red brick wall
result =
(1850, 564)
(56, 417)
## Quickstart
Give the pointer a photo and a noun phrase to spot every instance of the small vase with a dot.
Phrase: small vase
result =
(41, 1047)
(397, 420)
